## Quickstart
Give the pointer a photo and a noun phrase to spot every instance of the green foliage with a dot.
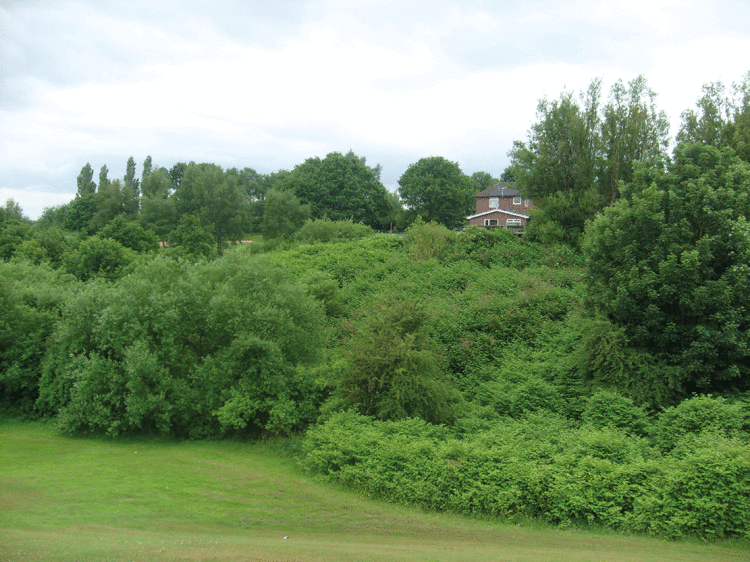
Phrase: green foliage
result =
(186, 349)
(610, 409)
(424, 241)
(326, 230)
(86, 185)
(340, 187)
(539, 467)
(31, 298)
(577, 155)
(483, 180)
(12, 212)
(393, 372)
(216, 199)
(283, 214)
(12, 235)
(130, 235)
(79, 212)
(668, 263)
(696, 415)
(438, 191)
(720, 120)
(190, 239)
(98, 258)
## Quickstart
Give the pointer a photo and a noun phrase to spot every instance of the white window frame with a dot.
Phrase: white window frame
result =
(491, 222)
(512, 222)
(494, 202)
(516, 200)
(526, 203)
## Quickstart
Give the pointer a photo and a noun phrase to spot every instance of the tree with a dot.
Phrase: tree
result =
(98, 257)
(157, 184)
(147, 167)
(437, 190)
(340, 187)
(393, 372)
(86, 185)
(633, 130)
(131, 182)
(176, 172)
(130, 234)
(483, 180)
(283, 214)
(191, 238)
(12, 212)
(577, 156)
(720, 120)
(216, 198)
(113, 200)
(103, 179)
(669, 264)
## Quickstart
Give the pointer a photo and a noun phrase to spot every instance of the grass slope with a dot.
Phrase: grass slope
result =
(67, 499)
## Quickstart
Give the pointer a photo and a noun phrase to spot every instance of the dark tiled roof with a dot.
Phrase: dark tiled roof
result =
(501, 189)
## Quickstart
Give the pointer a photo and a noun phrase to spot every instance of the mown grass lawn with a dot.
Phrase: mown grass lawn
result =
(65, 499)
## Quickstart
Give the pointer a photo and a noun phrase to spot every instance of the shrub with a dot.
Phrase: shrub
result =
(393, 371)
(695, 416)
(610, 409)
(325, 230)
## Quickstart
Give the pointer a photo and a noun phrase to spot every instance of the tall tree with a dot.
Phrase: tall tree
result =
(633, 130)
(284, 214)
(131, 181)
(719, 119)
(217, 199)
(577, 155)
(668, 264)
(86, 185)
(147, 167)
(437, 190)
(483, 180)
(340, 187)
(176, 172)
(103, 179)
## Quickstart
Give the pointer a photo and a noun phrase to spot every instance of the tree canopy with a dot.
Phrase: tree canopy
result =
(669, 262)
(340, 187)
(437, 190)
(578, 154)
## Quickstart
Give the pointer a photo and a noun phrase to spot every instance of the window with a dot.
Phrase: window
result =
(516, 200)
(494, 202)
(490, 222)
(526, 203)
(512, 222)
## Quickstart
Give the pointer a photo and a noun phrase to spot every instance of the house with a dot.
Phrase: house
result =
(501, 206)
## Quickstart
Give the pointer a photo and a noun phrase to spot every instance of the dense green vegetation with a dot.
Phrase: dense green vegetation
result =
(594, 372)
(64, 498)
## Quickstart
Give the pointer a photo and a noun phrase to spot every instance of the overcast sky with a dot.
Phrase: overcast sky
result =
(267, 84)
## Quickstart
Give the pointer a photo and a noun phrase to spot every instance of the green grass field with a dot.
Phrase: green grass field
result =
(66, 499)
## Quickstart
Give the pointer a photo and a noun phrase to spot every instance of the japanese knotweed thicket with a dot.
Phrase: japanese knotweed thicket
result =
(186, 349)
(547, 467)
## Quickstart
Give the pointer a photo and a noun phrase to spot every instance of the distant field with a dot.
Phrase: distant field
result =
(65, 499)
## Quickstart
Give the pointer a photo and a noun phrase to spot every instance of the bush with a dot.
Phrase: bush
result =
(99, 258)
(186, 349)
(424, 241)
(325, 230)
(393, 371)
(697, 415)
(610, 409)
